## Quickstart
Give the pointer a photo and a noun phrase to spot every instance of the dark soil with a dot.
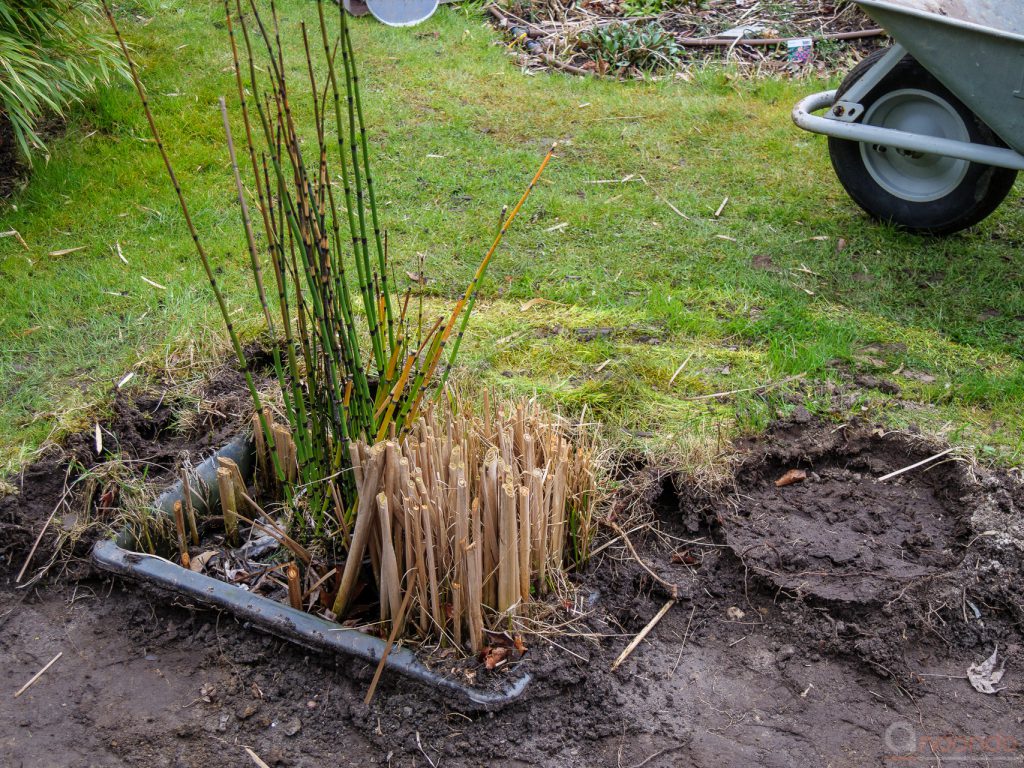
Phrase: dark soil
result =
(820, 624)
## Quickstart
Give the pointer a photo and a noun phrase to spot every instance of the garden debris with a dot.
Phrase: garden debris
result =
(985, 677)
(638, 38)
(792, 476)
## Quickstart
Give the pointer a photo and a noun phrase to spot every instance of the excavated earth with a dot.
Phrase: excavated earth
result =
(825, 623)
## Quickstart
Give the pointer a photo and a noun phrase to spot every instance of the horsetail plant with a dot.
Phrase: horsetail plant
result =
(351, 362)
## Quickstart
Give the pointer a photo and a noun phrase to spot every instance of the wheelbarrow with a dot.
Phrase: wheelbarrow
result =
(929, 133)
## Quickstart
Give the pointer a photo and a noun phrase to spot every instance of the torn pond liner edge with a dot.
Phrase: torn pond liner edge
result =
(283, 621)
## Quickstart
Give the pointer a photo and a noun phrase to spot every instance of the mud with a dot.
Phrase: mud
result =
(825, 623)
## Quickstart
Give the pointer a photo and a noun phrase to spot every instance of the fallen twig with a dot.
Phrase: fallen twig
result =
(916, 465)
(37, 675)
(762, 388)
(396, 626)
(672, 589)
(643, 633)
(686, 634)
(255, 758)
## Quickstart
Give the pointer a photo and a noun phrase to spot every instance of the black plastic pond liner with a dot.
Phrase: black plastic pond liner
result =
(271, 616)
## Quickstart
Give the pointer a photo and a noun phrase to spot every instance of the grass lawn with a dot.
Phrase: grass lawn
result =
(791, 279)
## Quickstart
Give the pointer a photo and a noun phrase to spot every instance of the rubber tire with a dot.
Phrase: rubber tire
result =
(980, 192)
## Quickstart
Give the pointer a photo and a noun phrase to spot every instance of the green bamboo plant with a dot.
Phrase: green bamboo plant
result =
(51, 55)
(353, 362)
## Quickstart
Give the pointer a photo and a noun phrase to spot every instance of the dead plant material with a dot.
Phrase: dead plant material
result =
(226, 488)
(38, 674)
(792, 476)
(672, 589)
(643, 633)
(474, 516)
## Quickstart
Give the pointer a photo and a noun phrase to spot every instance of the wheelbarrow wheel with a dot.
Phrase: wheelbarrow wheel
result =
(918, 192)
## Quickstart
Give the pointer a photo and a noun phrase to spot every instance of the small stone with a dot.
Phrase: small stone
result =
(407, 711)
(785, 653)
(291, 727)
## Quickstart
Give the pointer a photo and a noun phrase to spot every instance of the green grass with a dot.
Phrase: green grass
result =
(625, 271)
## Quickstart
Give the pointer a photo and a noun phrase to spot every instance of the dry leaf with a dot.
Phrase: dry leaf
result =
(417, 277)
(494, 656)
(734, 613)
(199, 561)
(985, 677)
(683, 557)
(520, 645)
(793, 476)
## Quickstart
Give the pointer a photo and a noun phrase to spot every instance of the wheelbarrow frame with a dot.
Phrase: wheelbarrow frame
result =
(840, 119)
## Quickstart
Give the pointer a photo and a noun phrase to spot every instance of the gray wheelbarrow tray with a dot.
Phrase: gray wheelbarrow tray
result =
(975, 48)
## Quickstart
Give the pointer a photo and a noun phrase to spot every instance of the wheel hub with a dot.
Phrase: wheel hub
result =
(915, 176)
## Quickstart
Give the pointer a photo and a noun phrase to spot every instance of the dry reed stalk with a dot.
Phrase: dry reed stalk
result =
(190, 511)
(294, 587)
(179, 525)
(370, 473)
(390, 581)
(524, 544)
(471, 516)
(226, 487)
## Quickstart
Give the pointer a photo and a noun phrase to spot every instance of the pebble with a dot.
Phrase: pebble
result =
(292, 727)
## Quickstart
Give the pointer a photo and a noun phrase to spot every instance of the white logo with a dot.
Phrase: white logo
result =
(901, 738)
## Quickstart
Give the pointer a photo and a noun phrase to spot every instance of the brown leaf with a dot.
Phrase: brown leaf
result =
(793, 476)
(494, 656)
(199, 562)
(417, 277)
(683, 557)
(520, 645)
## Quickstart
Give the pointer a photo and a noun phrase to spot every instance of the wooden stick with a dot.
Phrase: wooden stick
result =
(643, 633)
(37, 675)
(396, 626)
(915, 466)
